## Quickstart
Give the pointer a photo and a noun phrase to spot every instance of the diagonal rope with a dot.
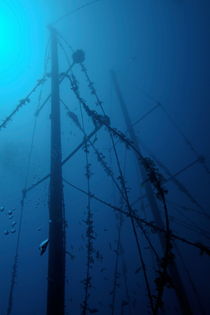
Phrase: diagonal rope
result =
(23, 102)
(90, 228)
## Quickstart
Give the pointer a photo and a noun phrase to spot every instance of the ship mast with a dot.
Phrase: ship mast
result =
(180, 290)
(56, 258)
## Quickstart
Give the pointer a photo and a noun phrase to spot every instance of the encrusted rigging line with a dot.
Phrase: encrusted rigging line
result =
(117, 251)
(154, 227)
(15, 264)
(23, 102)
(89, 230)
(92, 89)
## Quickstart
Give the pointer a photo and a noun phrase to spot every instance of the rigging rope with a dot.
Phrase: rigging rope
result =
(23, 102)
(89, 230)
(119, 218)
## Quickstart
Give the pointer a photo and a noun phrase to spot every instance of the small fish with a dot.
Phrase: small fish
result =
(6, 232)
(2, 208)
(43, 246)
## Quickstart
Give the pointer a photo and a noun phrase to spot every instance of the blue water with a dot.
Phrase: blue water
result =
(159, 51)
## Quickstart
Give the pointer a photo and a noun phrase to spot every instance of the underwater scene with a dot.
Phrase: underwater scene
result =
(104, 157)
